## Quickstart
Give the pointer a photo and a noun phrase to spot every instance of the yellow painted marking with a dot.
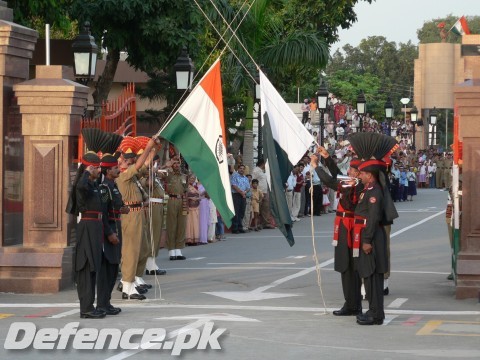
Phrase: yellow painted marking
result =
(433, 328)
(3, 316)
(429, 327)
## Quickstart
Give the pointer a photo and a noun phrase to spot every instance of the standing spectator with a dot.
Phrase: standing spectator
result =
(204, 215)
(422, 175)
(212, 219)
(432, 168)
(192, 230)
(291, 183)
(313, 110)
(412, 188)
(256, 200)
(240, 187)
(305, 111)
(403, 184)
(308, 125)
(325, 199)
(297, 193)
(265, 215)
(247, 218)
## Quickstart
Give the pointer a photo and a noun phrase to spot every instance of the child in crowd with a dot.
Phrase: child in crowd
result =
(257, 197)
(212, 219)
(326, 200)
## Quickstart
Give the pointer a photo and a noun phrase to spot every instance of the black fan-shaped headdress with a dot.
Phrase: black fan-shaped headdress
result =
(369, 145)
(95, 139)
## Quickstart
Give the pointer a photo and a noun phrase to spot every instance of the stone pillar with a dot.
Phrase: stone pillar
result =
(51, 109)
(16, 48)
(467, 98)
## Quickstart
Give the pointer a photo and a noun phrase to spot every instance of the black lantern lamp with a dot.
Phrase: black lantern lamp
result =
(184, 71)
(84, 55)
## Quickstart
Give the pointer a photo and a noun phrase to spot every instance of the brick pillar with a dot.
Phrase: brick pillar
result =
(51, 108)
(467, 98)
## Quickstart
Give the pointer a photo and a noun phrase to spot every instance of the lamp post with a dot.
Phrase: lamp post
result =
(389, 114)
(361, 107)
(432, 139)
(184, 71)
(413, 119)
(322, 105)
(84, 55)
(405, 101)
(259, 119)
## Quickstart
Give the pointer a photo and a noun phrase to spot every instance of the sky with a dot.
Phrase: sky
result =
(399, 20)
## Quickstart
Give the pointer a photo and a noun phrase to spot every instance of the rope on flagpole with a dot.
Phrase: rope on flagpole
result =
(315, 256)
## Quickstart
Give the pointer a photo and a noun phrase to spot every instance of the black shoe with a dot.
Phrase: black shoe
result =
(235, 232)
(386, 291)
(450, 277)
(144, 286)
(120, 286)
(346, 312)
(156, 272)
(364, 319)
(241, 231)
(141, 290)
(94, 314)
(109, 311)
(181, 257)
(133, 297)
(173, 258)
(111, 307)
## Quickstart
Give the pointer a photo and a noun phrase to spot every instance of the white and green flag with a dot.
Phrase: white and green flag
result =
(198, 131)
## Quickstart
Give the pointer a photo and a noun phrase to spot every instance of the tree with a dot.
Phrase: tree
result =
(430, 33)
(374, 58)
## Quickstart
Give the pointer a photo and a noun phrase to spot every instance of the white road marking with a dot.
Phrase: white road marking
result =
(397, 303)
(66, 313)
(212, 317)
(388, 319)
(296, 257)
(417, 223)
(255, 263)
(196, 258)
(260, 294)
(153, 304)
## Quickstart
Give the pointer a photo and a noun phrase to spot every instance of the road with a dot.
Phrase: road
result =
(271, 303)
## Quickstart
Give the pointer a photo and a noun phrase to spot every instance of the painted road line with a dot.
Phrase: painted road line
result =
(256, 263)
(154, 304)
(66, 313)
(211, 317)
(388, 319)
(412, 321)
(397, 302)
(450, 328)
(196, 258)
(417, 223)
(4, 316)
(296, 257)
(43, 313)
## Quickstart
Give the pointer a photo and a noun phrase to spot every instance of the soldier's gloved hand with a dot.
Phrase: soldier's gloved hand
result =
(367, 248)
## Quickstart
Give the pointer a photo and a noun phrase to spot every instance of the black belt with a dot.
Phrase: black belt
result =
(361, 221)
(348, 214)
(174, 196)
(91, 216)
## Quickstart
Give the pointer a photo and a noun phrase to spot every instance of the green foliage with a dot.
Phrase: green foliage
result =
(430, 33)
(377, 66)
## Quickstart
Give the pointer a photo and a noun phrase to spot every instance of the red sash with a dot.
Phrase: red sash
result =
(346, 218)
(359, 224)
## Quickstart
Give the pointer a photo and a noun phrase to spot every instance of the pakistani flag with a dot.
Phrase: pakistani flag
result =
(197, 130)
(285, 141)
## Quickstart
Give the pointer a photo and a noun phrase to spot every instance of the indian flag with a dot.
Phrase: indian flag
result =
(461, 27)
(198, 131)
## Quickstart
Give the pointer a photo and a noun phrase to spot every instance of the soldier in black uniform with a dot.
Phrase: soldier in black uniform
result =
(348, 193)
(88, 251)
(112, 208)
(370, 240)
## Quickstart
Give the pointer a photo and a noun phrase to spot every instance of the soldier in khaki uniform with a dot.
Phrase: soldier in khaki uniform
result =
(155, 217)
(447, 171)
(439, 174)
(133, 223)
(176, 185)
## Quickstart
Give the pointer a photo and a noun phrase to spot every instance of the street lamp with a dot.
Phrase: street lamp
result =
(259, 118)
(322, 105)
(405, 101)
(184, 71)
(413, 119)
(389, 114)
(84, 55)
(361, 107)
(433, 127)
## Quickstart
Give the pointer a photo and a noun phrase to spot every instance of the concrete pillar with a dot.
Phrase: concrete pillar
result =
(467, 98)
(51, 109)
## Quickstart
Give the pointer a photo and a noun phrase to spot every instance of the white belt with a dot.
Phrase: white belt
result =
(156, 200)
